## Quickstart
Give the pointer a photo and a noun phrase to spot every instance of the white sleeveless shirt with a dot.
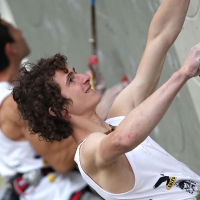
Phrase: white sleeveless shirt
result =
(158, 175)
(19, 156)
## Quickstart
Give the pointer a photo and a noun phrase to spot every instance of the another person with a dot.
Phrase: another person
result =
(117, 157)
(35, 170)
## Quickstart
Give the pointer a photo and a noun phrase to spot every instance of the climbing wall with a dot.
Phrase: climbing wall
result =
(64, 26)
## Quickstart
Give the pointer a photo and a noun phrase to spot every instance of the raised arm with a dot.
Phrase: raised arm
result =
(164, 29)
(139, 123)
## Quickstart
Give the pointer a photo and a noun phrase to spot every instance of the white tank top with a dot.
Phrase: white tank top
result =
(21, 157)
(158, 175)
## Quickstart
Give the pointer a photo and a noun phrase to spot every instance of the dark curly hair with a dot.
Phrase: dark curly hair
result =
(36, 92)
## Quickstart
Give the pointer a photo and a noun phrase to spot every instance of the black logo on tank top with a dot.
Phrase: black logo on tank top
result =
(187, 185)
(169, 181)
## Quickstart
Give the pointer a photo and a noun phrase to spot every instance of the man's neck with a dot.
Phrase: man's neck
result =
(8, 74)
(86, 127)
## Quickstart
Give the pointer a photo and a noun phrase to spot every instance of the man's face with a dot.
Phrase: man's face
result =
(19, 42)
(77, 88)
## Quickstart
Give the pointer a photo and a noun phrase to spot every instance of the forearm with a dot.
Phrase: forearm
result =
(143, 119)
(169, 19)
(139, 123)
(164, 29)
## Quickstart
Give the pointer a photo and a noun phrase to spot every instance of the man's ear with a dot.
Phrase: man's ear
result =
(64, 113)
(10, 49)
(51, 112)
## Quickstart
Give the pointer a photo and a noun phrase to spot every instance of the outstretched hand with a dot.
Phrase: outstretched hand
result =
(191, 66)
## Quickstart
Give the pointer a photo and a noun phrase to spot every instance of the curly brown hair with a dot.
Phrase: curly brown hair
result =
(36, 92)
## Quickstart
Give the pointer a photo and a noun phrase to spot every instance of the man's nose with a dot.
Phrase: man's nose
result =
(84, 78)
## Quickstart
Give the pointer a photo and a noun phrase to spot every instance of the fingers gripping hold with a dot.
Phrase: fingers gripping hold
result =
(191, 66)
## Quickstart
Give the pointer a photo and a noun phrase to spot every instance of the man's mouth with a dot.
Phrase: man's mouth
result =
(89, 90)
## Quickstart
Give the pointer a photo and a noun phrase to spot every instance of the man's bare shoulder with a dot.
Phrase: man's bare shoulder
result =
(90, 152)
(9, 109)
(94, 165)
(91, 144)
(11, 122)
(8, 101)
